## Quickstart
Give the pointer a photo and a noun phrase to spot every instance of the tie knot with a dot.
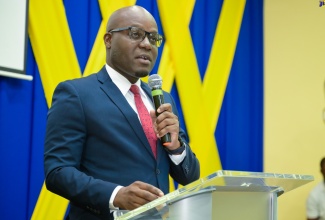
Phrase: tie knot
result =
(135, 89)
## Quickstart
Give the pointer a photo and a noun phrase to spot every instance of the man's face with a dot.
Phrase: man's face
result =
(133, 59)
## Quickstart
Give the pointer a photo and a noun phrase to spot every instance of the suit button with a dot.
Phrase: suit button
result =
(157, 171)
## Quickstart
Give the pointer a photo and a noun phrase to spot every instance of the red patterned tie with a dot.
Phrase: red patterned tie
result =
(145, 119)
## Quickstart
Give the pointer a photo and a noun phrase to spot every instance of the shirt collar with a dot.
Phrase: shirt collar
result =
(120, 81)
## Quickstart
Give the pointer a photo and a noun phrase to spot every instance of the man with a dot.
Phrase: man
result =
(316, 198)
(97, 154)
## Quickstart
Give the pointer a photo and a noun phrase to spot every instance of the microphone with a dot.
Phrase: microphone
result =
(155, 83)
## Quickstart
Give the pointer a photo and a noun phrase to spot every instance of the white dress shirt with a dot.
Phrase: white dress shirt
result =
(316, 202)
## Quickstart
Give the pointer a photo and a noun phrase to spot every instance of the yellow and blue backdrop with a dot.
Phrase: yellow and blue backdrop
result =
(211, 61)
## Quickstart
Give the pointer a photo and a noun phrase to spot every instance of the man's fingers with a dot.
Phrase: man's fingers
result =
(150, 189)
(165, 107)
(136, 195)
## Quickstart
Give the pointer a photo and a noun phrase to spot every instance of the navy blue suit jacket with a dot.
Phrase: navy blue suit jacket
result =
(95, 142)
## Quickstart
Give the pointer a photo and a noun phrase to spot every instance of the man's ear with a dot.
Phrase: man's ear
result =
(107, 39)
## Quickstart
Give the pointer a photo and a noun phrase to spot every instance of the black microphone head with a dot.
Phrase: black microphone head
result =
(154, 81)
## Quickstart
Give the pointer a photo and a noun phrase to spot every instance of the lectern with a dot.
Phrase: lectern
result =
(223, 195)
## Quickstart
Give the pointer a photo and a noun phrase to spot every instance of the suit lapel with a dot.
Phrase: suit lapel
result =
(115, 95)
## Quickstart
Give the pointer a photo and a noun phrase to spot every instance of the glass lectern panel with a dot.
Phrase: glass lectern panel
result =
(220, 181)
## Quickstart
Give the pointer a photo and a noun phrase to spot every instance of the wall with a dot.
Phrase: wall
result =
(294, 132)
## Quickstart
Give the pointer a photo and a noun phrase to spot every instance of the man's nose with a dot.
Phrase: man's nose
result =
(146, 43)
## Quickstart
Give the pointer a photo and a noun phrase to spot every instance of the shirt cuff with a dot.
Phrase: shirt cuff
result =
(178, 158)
(111, 200)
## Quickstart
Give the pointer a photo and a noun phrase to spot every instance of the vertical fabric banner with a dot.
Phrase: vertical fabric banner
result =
(198, 108)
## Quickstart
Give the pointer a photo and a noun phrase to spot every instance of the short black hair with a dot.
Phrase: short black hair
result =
(322, 163)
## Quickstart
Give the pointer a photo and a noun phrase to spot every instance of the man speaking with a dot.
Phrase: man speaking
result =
(102, 149)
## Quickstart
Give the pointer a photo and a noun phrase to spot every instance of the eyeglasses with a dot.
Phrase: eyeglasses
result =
(138, 34)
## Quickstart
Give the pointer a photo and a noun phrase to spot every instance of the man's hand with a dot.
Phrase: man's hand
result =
(136, 195)
(166, 122)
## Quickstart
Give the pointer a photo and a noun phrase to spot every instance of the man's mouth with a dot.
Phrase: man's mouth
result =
(144, 57)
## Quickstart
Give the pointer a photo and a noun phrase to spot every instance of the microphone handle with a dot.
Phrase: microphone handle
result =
(158, 99)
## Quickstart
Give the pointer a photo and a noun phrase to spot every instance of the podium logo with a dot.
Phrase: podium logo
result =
(321, 3)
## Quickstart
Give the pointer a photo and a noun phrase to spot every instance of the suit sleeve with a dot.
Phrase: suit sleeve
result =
(189, 169)
(64, 141)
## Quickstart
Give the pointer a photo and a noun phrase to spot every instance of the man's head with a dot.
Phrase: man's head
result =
(322, 167)
(131, 57)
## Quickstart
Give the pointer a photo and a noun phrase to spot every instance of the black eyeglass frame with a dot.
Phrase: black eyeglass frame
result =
(147, 34)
